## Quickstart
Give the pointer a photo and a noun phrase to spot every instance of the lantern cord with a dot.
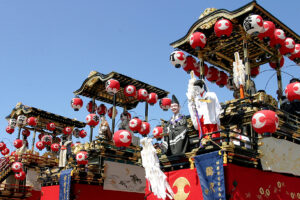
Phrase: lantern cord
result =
(288, 74)
(269, 80)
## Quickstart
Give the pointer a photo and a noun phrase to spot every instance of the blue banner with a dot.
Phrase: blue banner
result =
(65, 184)
(211, 174)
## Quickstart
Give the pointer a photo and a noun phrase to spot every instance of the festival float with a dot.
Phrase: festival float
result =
(245, 148)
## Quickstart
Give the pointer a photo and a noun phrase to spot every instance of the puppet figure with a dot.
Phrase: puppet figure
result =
(204, 108)
(104, 130)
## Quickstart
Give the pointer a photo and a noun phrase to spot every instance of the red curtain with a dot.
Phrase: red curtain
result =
(50, 192)
(256, 184)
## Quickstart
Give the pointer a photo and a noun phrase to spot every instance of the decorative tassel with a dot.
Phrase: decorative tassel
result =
(192, 165)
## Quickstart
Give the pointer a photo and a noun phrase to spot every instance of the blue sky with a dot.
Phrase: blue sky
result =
(48, 48)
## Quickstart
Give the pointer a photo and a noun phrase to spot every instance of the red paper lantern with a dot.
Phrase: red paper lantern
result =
(89, 107)
(152, 98)
(265, 121)
(9, 129)
(145, 128)
(102, 110)
(110, 112)
(296, 53)
(135, 124)
(55, 147)
(47, 139)
(76, 103)
(197, 69)
(255, 71)
(288, 47)
(279, 38)
(5, 151)
(32, 121)
(122, 138)
(197, 40)
(189, 64)
(112, 86)
(68, 130)
(130, 91)
(165, 103)
(223, 28)
(92, 119)
(273, 63)
(177, 58)
(268, 32)
(26, 132)
(158, 132)
(2, 146)
(222, 80)
(18, 143)
(40, 136)
(40, 145)
(82, 134)
(212, 74)
(17, 167)
(142, 95)
(51, 126)
(292, 91)
(82, 158)
(20, 176)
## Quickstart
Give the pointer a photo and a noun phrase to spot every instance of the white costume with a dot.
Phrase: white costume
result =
(205, 104)
(63, 154)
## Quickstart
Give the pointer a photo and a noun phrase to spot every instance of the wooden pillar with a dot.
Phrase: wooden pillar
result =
(34, 134)
(279, 81)
(91, 128)
(247, 66)
(19, 132)
(201, 64)
(146, 111)
(113, 115)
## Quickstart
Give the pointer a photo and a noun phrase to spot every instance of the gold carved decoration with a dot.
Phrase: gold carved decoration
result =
(209, 24)
(180, 183)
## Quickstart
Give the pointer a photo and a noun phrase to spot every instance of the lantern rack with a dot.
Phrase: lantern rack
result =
(94, 87)
(220, 51)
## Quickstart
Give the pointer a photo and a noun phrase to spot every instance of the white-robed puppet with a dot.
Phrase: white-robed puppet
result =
(204, 107)
(63, 152)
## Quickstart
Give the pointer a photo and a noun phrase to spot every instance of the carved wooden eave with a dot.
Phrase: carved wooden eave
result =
(94, 87)
(220, 52)
(45, 117)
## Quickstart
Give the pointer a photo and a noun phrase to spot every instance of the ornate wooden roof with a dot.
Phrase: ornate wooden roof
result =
(44, 117)
(220, 52)
(94, 87)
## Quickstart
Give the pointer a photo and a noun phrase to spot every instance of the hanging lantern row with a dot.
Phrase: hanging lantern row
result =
(212, 74)
(138, 126)
(17, 167)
